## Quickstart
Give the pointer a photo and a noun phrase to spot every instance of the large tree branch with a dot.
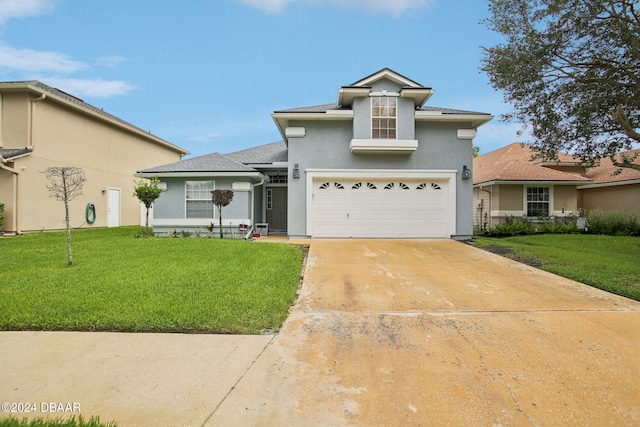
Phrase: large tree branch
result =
(621, 118)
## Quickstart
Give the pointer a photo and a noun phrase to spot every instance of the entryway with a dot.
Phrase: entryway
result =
(277, 209)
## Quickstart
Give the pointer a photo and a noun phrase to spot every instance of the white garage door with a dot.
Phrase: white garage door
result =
(400, 208)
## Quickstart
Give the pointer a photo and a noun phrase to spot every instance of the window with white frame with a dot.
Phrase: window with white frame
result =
(538, 201)
(383, 117)
(269, 199)
(199, 199)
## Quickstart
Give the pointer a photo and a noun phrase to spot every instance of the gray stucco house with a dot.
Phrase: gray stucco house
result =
(377, 163)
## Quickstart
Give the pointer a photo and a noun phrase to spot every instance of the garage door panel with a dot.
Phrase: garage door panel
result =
(380, 208)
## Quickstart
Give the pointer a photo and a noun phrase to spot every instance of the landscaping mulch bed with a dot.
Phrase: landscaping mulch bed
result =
(511, 254)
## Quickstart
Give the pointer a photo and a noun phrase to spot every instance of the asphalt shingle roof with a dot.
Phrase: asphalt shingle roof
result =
(10, 153)
(516, 162)
(606, 171)
(263, 154)
(214, 162)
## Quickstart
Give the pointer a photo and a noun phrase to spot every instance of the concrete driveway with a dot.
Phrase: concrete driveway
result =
(414, 332)
(384, 333)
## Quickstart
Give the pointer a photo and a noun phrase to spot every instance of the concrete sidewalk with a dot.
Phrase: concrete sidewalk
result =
(134, 379)
(385, 332)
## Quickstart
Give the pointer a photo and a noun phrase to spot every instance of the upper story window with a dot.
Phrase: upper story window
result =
(383, 117)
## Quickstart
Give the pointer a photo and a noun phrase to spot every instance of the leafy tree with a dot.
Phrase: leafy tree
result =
(221, 198)
(571, 70)
(476, 151)
(65, 184)
(147, 191)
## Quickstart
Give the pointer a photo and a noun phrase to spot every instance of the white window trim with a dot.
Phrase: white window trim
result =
(185, 198)
(525, 205)
(383, 94)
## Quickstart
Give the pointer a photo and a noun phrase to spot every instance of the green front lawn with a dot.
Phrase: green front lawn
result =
(122, 283)
(611, 263)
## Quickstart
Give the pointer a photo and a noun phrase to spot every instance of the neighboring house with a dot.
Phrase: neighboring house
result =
(377, 163)
(611, 190)
(511, 183)
(41, 127)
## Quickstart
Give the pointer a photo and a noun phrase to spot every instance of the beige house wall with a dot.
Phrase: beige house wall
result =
(109, 153)
(618, 198)
(565, 198)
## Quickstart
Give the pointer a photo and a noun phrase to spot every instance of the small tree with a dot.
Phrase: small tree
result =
(221, 198)
(1, 214)
(147, 191)
(65, 184)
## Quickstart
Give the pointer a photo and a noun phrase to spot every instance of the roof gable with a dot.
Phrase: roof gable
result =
(388, 74)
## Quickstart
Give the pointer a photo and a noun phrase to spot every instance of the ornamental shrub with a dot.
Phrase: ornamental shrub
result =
(615, 223)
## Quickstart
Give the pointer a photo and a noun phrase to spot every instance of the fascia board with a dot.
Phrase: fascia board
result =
(346, 94)
(419, 95)
(437, 116)
(609, 184)
(200, 174)
(530, 182)
(327, 115)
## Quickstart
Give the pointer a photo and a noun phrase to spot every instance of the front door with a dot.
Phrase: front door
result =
(277, 208)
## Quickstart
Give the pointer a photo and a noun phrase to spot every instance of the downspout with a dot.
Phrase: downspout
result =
(15, 223)
(253, 202)
(32, 128)
(490, 222)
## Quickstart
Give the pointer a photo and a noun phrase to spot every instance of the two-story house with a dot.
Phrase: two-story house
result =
(376, 163)
(40, 127)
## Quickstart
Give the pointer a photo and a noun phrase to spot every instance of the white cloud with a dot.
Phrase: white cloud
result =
(204, 138)
(10, 9)
(94, 88)
(37, 61)
(395, 7)
(269, 6)
(110, 61)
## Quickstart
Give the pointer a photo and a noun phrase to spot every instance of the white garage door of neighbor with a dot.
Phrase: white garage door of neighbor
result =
(388, 208)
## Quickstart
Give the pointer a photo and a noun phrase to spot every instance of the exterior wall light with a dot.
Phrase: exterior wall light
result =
(466, 172)
(296, 172)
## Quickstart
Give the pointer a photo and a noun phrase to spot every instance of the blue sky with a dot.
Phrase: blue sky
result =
(207, 74)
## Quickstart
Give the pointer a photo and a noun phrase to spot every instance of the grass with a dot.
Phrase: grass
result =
(611, 263)
(120, 283)
(59, 422)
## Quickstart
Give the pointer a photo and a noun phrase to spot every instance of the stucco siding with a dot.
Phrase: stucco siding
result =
(565, 198)
(618, 198)
(326, 146)
(169, 210)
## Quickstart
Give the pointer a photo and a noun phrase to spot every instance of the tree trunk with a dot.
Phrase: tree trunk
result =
(66, 220)
(220, 216)
(147, 223)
